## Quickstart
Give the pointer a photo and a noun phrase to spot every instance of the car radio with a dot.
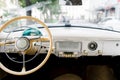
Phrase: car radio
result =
(68, 48)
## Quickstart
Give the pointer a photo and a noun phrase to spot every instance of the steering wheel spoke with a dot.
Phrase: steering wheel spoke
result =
(23, 69)
(6, 43)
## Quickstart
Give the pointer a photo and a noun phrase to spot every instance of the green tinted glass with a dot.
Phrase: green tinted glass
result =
(32, 32)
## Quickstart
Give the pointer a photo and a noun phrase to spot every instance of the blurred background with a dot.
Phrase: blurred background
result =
(52, 11)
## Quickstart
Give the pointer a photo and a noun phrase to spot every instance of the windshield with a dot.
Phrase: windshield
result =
(100, 12)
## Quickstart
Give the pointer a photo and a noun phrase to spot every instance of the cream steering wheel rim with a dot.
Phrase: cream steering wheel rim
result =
(23, 72)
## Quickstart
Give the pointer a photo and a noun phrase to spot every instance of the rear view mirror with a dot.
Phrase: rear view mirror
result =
(70, 2)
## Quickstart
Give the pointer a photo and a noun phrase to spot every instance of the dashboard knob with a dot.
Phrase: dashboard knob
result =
(85, 52)
(99, 52)
(92, 46)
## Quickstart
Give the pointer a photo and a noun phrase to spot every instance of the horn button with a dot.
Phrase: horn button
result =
(22, 44)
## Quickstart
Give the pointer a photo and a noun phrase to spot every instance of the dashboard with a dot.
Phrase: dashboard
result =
(77, 49)
(75, 42)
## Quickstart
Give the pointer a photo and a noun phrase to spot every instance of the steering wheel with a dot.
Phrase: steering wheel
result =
(24, 51)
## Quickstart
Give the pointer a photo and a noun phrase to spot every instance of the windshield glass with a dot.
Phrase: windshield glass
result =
(103, 13)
